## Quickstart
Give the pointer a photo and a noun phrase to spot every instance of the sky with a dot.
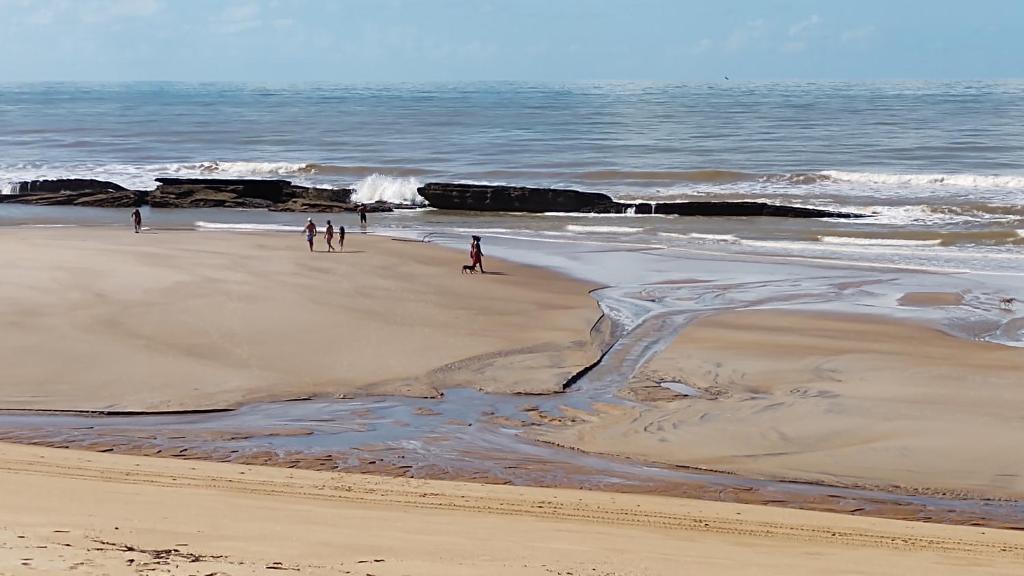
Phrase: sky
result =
(530, 40)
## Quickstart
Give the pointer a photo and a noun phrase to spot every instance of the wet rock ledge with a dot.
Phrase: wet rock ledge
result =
(486, 198)
(282, 195)
(75, 192)
(278, 195)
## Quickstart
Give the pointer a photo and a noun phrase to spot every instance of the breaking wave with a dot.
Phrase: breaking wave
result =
(961, 180)
(241, 169)
(379, 187)
(864, 241)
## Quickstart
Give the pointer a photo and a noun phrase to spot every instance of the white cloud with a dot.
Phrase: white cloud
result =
(104, 10)
(792, 47)
(743, 35)
(238, 17)
(804, 25)
(857, 34)
(703, 46)
(46, 12)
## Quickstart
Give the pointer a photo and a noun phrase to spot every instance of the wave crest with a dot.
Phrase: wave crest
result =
(962, 180)
(378, 187)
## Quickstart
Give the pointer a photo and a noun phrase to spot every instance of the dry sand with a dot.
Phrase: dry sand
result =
(66, 511)
(841, 400)
(103, 319)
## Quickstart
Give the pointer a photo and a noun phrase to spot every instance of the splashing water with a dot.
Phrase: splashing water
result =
(398, 190)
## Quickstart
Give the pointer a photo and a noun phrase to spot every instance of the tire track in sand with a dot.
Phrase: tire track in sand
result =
(425, 495)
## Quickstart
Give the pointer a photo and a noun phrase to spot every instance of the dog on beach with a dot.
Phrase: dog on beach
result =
(468, 269)
(1007, 303)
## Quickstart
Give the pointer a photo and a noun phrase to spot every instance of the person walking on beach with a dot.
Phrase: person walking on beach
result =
(341, 237)
(362, 214)
(137, 220)
(310, 230)
(476, 255)
(329, 236)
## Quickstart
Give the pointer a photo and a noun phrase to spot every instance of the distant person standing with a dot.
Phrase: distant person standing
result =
(310, 231)
(362, 214)
(341, 237)
(476, 254)
(329, 235)
(137, 220)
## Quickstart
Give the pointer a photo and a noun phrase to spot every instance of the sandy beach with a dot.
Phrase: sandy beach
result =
(840, 400)
(99, 513)
(99, 319)
(104, 320)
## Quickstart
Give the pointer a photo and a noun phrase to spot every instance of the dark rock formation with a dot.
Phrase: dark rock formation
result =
(513, 198)
(242, 193)
(282, 195)
(66, 185)
(98, 198)
(485, 198)
(738, 209)
(73, 191)
(326, 206)
(278, 195)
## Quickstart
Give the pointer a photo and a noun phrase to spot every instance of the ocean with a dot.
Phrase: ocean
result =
(938, 165)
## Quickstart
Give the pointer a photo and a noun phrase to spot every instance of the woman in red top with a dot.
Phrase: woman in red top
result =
(476, 254)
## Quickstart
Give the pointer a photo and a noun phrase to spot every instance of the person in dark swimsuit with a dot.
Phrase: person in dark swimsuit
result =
(341, 237)
(362, 214)
(329, 236)
(137, 220)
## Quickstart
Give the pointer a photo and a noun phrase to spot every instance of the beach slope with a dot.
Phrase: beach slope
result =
(67, 510)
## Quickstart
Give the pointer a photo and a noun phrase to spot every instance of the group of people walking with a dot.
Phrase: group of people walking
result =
(476, 253)
(329, 233)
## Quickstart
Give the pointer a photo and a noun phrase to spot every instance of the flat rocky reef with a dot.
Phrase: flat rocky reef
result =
(284, 196)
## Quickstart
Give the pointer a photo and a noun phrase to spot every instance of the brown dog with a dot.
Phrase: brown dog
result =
(468, 269)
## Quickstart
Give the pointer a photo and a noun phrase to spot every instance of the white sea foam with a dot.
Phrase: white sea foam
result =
(965, 180)
(389, 189)
(859, 241)
(486, 230)
(246, 227)
(8, 187)
(603, 229)
(242, 169)
(609, 215)
(713, 238)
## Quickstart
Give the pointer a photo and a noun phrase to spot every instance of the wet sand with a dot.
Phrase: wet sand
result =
(842, 400)
(112, 514)
(101, 319)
